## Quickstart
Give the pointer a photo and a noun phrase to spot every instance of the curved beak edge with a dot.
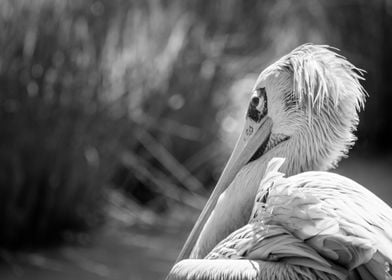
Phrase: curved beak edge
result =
(253, 135)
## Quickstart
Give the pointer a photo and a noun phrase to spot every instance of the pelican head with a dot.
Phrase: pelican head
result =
(312, 96)
(304, 107)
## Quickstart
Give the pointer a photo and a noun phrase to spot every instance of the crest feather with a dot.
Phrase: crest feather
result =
(321, 75)
(326, 87)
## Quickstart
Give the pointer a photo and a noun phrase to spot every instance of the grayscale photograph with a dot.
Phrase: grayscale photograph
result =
(195, 140)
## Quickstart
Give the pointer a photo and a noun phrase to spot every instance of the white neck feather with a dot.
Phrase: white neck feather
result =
(329, 94)
(319, 146)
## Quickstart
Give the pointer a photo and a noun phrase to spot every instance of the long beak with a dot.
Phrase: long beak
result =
(256, 132)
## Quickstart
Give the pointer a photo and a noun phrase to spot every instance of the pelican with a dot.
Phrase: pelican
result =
(276, 213)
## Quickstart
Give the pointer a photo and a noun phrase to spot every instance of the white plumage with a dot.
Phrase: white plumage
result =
(317, 220)
(312, 224)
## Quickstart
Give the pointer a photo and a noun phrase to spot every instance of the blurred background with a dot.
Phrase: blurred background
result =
(116, 118)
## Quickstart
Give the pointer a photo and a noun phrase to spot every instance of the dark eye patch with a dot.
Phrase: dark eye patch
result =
(259, 98)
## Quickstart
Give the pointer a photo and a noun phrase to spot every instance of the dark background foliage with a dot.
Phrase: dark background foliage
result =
(109, 106)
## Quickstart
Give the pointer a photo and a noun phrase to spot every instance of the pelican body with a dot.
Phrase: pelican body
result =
(275, 212)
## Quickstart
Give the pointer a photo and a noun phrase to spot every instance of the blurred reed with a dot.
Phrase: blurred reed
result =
(55, 149)
(142, 97)
(91, 89)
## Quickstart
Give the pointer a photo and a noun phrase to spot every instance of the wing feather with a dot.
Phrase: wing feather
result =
(273, 243)
(318, 225)
(338, 218)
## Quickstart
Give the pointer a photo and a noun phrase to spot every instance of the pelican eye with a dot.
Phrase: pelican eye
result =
(258, 105)
(255, 101)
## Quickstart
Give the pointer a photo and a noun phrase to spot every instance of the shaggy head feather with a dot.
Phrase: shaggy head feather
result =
(314, 95)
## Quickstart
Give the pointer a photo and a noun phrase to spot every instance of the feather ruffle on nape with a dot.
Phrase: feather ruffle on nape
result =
(321, 75)
(326, 88)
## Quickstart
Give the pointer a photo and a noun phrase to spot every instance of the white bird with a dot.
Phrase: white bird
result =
(259, 224)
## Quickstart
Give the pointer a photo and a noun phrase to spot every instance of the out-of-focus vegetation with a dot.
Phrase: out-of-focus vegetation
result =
(145, 96)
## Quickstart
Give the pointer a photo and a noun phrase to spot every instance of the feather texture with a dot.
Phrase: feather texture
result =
(313, 225)
(323, 94)
(320, 76)
(318, 220)
(242, 269)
